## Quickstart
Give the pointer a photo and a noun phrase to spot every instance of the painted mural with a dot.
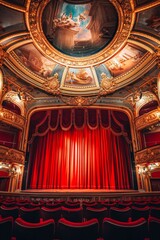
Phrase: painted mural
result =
(79, 29)
(79, 78)
(125, 60)
(35, 61)
(149, 20)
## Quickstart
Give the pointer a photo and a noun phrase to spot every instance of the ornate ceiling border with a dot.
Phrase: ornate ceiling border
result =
(33, 19)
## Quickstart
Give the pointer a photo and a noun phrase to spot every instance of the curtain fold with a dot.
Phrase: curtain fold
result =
(80, 159)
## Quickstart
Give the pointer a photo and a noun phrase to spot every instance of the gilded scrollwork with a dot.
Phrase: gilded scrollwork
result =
(11, 155)
(3, 55)
(79, 100)
(107, 85)
(12, 118)
(147, 120)
(51, 84)
(148, 155)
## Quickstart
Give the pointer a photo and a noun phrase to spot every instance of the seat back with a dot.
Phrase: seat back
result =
(51, 213)
(140, 212)
(117, 230)
(72, 214)
(99, 214)
(72, 204)
(9, 211)
(154, 228)
(6, 227)
(121, 214)
(34, 231)
(30, 214)
(78, 231)
(155, 212)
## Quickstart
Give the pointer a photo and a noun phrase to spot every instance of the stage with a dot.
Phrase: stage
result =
(81, 194)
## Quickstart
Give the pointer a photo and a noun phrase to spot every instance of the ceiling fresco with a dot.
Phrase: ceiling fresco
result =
(79, 29)
(71, 48)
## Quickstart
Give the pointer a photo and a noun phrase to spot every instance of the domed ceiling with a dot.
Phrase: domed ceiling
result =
(80, 52)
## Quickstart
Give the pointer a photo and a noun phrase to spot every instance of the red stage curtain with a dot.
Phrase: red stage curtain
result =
(80, 158)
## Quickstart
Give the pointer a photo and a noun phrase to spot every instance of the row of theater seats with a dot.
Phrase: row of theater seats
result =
(78, 215)
(89, 230)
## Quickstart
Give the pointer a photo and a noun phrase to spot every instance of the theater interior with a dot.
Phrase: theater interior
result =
(80, 118)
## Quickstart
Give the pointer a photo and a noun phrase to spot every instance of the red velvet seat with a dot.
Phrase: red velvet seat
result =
(71, 204)
(51, 213)
(121, 214)
(155, 204)
(140, 204)
(34, 231)
(155, 212)
(124, 204)
(6, 228)
(78, 231)
(98, 213)
(138, 212)
(117, 230)
(53, 205)
(154, 228)
(73, 214)
(9, 211)
(85, 205)
(30, 214)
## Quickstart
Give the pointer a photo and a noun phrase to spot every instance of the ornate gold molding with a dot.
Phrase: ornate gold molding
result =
(148, 155)
(52, 84)
(3, 55)
(147, 119)
(11, 155)
(79, 100)
(12, 118)
(35, 10)
(107, 85)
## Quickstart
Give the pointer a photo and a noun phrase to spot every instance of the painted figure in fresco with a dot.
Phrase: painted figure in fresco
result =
(67, 21)
(81, 77)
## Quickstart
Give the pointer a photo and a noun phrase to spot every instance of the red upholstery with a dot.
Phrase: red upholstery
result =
(154, 228)
(155, 204)
(98, 213)
(78, 231)
(124, 204)
(34, 231)
(51, 213)
(117, 230)
(121, 214)
(140, 204)
(6, 225)
(72, 214)
(9, 211)
(155, 212)
(53, 205)
(72, 204)
(138, 212)
(30, 214)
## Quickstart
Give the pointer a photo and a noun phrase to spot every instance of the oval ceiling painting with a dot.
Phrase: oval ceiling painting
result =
(79, 29)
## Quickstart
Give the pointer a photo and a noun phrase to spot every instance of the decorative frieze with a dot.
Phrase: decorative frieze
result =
(11, 155)
(11, 118)
(148, 155)
(147, 119)
(79, 100)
